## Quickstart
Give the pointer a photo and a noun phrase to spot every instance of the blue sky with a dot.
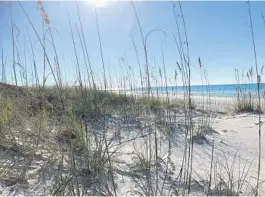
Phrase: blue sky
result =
(218, 33)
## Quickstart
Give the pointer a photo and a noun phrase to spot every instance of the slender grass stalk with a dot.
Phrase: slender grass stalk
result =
(35, 68)
(3, 67)
(145, 49)
(13, 45)
(76, 56)
(85, 47)
(44, 59)
(101, 51)
(39, 39)
(210, 178)
(139, 65)
(258, 86)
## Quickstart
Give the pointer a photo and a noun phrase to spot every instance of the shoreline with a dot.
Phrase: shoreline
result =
(207, 102)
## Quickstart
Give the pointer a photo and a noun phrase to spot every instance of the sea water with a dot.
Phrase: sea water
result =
(225, 90)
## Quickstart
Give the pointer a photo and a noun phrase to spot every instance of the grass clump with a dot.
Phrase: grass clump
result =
(246, 99)
(158, 103)
(244, 105)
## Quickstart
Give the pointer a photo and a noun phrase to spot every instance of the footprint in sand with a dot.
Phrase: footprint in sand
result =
(230, 131)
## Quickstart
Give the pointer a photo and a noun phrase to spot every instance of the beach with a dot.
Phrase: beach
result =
(231, 140)
(106, 98)
(148, 143)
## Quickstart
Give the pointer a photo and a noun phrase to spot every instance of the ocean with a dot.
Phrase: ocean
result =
(225, 90)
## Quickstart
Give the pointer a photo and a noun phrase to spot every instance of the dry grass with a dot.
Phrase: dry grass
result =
(82, 140)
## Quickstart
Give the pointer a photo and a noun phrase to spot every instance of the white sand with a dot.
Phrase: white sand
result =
(241, 133)
(235, 143)
(235, 154)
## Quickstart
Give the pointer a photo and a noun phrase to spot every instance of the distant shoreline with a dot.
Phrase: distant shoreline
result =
(220, 91)
(213, 103)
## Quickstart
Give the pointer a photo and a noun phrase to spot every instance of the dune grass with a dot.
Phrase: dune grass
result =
(83, 139)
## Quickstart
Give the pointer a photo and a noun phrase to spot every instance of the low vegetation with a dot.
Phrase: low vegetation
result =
(84, 139)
